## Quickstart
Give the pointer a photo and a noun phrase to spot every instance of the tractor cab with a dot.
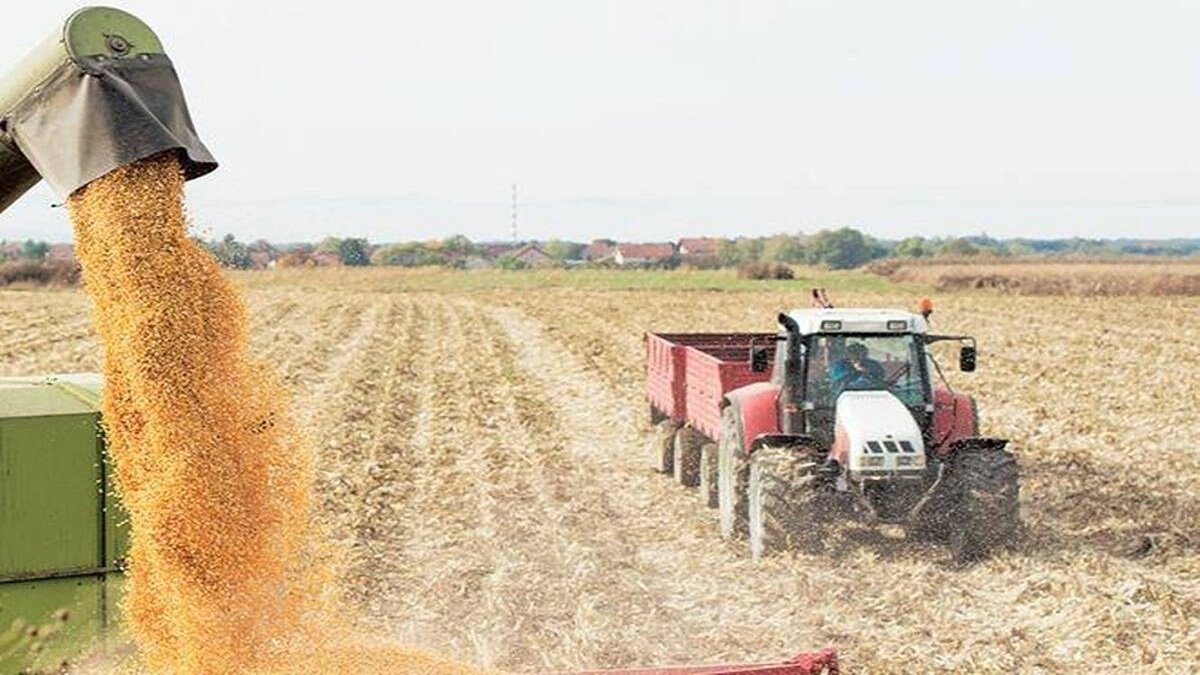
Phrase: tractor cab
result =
(857, 390)
(829, 354)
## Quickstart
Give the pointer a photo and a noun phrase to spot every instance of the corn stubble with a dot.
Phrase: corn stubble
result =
(228, 571)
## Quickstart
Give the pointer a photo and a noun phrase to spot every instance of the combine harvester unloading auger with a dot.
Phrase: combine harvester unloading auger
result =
(97, 94)
(97, 111)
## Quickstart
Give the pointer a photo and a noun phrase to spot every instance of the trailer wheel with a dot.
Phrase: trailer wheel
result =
(655, 415)
(708, 474)
(984, 488)
(687, 456)
(662, 446)
(783, 502)
(733, 473)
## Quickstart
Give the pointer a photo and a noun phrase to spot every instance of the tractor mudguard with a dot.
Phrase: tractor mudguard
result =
(954, 417)
(758, 406)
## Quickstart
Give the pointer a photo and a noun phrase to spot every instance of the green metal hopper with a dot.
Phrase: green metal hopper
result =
(62, 533)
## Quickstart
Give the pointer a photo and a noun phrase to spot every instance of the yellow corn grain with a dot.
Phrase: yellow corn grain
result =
(228, 571)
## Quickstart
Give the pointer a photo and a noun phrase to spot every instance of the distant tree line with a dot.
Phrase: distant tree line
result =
(846, 248)
(841, 248)
(26, 250)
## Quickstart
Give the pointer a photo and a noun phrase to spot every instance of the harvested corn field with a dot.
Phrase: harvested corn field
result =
(482, 454)
(1084, 277)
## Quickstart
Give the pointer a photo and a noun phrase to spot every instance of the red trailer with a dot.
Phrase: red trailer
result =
(687, 374)
(687, 377)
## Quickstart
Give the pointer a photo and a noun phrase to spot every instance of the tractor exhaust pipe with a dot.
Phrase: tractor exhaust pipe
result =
(97, 94)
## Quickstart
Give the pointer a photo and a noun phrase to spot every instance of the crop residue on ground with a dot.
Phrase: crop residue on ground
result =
(482, 453)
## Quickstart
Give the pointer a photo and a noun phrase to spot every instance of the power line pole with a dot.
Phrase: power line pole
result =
(514, 212)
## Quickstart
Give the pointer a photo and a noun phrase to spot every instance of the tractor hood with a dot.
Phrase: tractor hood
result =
(875, 436)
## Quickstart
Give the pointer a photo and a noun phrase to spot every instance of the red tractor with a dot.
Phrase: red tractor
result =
(836, 415)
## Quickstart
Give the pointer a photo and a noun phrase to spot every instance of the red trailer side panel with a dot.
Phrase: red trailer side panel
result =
(688, 374)
(664, 376)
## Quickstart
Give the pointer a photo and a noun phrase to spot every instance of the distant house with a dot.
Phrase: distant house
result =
(62, 253)
(698, 247)
(598, 251)
(475, 262)
(325, 259)
(262, 254)
(643, 254)
(532, 255)
(495, 251)
(10, 250)
(261, 260)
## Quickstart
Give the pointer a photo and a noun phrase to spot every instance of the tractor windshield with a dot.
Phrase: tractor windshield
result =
(840, 363)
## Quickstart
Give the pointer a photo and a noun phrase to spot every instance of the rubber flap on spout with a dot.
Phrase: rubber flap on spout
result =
(96, 114)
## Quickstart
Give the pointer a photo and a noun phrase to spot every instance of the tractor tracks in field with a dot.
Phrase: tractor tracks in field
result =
(444, 539)
(651, 542)
(489, 523)
(337, 401)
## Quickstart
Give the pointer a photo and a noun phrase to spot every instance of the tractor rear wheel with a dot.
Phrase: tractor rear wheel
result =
(733, 474)
(984, 489)
(708, 474)
(687, 456)
(783, 502)
(662, 446)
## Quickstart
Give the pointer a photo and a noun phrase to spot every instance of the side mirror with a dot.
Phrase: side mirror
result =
(966, 359)
(760, 359)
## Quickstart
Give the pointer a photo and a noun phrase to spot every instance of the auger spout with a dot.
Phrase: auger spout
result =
(97, 94)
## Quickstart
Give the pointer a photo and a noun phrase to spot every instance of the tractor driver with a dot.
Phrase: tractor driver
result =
(856, 371)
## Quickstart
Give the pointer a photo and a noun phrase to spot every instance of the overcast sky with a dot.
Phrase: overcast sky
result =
(648, 119)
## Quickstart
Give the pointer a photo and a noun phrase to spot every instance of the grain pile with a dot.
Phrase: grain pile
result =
(228, 572)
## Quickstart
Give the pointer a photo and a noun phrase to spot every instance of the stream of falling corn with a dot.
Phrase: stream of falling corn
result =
(229, 571)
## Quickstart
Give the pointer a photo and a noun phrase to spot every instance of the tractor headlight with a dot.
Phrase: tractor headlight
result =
(872, 461)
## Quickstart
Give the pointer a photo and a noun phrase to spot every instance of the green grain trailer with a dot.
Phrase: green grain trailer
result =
(62, 534)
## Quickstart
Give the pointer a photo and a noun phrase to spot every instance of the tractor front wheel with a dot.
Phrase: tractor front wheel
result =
(984, 489)
(783, 502)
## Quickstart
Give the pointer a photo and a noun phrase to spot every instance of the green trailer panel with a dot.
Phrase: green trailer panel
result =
(62, 529)
(86, 387)
(49, 499)
(116, 525)
(114, 595)
(67, 615)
